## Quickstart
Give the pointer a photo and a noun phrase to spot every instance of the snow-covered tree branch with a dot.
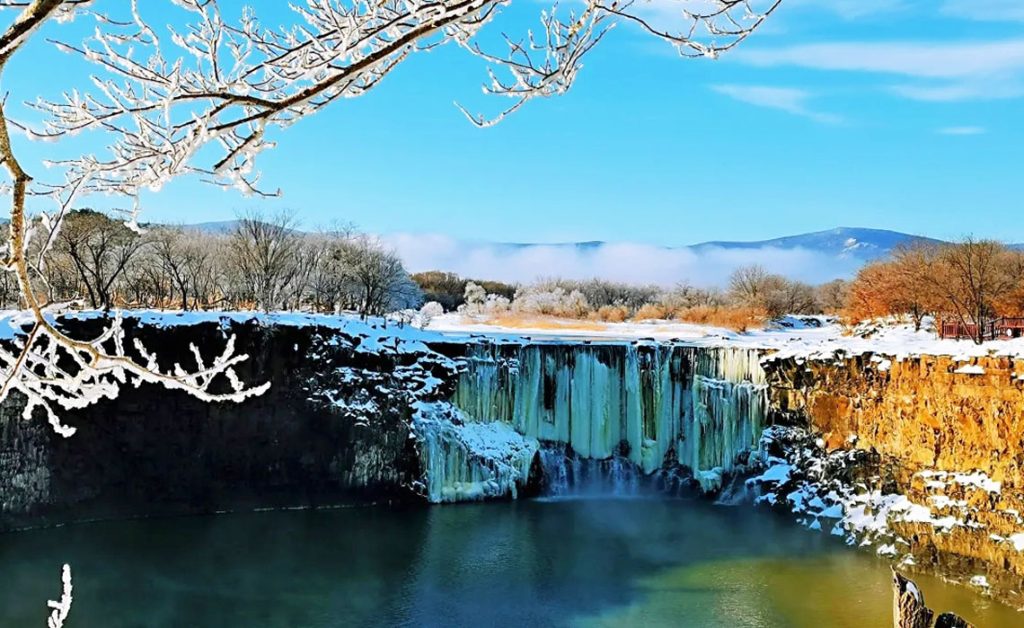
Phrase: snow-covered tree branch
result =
(60, 609)
(198, 97)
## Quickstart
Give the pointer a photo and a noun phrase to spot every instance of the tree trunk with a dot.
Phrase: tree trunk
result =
(909, 610)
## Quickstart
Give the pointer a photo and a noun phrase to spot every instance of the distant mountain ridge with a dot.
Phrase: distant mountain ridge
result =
(846, 242)
(810, 257)
(217, 227)
(853, 243)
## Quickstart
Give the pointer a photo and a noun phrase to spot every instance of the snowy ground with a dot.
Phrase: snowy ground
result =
(794, 337)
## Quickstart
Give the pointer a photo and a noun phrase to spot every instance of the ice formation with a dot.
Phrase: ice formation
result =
(646, 406)
(468, 461)
(604, 417)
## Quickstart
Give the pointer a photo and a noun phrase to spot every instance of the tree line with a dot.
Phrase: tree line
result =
(752, 297)
(969, 282)
(262, 262)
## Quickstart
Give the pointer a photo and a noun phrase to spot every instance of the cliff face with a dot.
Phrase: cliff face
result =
(946, 434)
(154, 451)
(921, 457)
(356, 413)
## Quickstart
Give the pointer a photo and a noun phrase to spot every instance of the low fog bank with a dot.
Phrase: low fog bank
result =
(707, 266)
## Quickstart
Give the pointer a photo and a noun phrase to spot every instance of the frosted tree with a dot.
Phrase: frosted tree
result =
(429, 311)
(202, 97)
(475, 297)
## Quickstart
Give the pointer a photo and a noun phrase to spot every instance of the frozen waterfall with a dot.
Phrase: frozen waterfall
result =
(606, 413)
(468, 461)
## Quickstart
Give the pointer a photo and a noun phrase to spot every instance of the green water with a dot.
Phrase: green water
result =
(534, 563)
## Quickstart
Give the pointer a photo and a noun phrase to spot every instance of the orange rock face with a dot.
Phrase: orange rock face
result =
(951, 437)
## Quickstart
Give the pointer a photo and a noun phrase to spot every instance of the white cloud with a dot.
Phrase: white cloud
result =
(956, 60)
(851, 9)
(963, 130)
(942, 71)
(961, 90)
(985, 10)
(633, 263)
(786, 99)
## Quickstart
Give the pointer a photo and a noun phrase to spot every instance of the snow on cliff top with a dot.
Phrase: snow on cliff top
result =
(804, 337)
(801, 337)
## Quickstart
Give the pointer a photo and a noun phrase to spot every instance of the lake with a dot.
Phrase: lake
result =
(574, 562)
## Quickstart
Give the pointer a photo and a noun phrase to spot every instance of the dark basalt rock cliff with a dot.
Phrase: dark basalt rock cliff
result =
(153, 451)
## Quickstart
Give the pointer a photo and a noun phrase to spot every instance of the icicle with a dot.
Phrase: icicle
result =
(628, 404)
(467, 461)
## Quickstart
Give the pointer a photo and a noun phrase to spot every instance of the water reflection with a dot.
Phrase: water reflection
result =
(556, 563)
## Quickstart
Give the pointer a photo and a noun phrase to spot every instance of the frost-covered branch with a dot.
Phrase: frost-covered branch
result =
(201, 95)
(163, 97)
(55, 372)
(59, 609)
(702, 28)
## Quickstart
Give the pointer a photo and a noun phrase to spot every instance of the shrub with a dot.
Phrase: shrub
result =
(611, 313)
(739, 318)
(551, 302)
(650, 312)
(429, 312)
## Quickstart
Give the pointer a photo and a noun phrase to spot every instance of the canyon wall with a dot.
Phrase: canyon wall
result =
(921, 458)
(940, 446)
(154, 451)
(360, 413)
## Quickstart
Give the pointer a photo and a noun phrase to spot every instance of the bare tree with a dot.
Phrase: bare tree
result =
(786, 296)
(753, 286)
(264, 250)
(210, 256)
(750, 284)
(377, 281)
(683, 296)
(100, 248)
(914, 288)
(832, 296)
(145, 283)
(972, 275)
(10, 295)
(325, 280)
(185, 259)
(171, 253)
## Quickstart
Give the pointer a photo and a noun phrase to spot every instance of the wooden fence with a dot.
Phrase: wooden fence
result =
(1003, 328)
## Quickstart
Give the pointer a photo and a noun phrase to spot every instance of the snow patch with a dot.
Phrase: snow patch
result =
(971, 369)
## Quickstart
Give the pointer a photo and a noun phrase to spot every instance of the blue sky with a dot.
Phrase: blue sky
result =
(897, 114)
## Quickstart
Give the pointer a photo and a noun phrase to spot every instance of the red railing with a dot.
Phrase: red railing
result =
(1003, 328)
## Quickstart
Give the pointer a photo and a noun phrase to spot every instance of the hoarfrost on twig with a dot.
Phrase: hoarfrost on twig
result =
(202, 97)
(59, 609)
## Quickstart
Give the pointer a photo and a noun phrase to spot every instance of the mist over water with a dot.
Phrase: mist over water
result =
(625, 262)
(576, 562)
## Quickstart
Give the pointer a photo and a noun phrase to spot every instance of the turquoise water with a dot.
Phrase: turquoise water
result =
(639, 562)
